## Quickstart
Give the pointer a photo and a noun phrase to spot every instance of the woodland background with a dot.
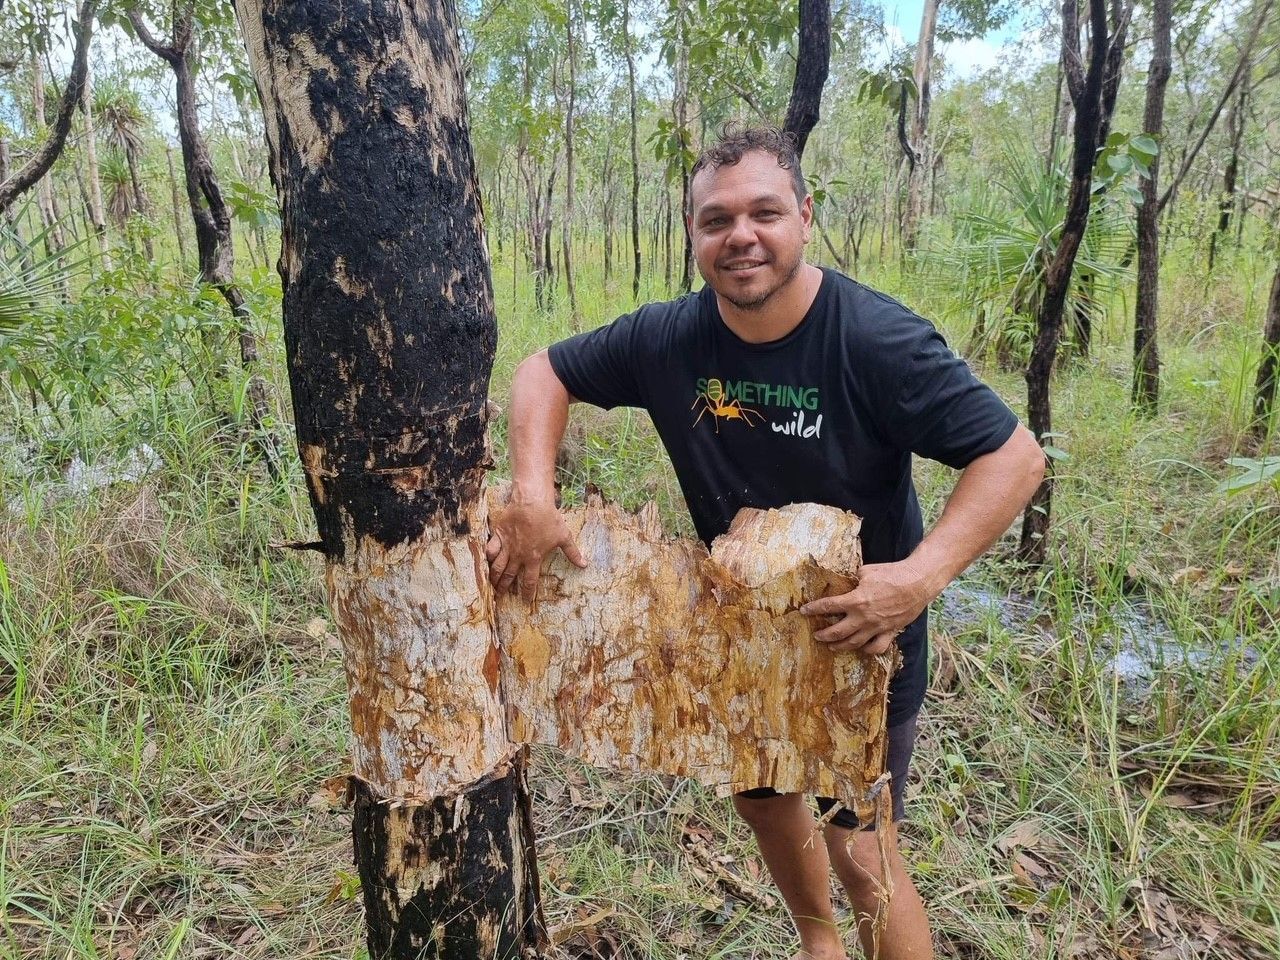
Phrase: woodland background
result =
(1098, 770)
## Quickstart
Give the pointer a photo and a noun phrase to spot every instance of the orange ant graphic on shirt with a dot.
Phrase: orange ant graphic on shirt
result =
(713, 402)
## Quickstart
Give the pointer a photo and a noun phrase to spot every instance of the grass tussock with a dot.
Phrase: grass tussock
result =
(173, 699)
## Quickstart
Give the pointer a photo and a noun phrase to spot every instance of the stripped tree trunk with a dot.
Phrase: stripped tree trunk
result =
(1146, 315)
(390, 334)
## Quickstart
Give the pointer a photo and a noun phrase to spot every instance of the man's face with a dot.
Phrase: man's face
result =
(748, 230)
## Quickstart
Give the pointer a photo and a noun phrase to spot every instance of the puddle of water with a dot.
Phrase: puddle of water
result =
(80, 478)
(1132, 641)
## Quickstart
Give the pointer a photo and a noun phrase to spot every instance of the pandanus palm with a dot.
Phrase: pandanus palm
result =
(1005, 241)
(123, 122)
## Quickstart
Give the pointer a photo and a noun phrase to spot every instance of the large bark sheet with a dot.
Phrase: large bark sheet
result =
(660, 658)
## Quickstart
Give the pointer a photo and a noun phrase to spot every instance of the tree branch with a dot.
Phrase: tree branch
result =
(35, 168)
(1072, 68)
(165, 51)
(1241, 66)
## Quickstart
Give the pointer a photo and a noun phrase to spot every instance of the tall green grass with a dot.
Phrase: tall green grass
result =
(172, 696)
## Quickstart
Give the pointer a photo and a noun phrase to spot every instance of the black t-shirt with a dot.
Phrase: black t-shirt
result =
(831, 413)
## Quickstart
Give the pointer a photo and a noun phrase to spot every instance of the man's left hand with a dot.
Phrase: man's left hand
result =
(888, 597)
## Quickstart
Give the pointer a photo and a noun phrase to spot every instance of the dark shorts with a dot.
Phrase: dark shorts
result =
(902, 741)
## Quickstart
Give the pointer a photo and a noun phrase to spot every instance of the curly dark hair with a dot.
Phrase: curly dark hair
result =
(736, 141)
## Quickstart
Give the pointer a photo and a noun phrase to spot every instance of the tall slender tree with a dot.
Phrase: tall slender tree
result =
(1264, 398)
(1088, 88)
(630, 55)
(26, 176)
(813, 63)
(209, 211)
(1146, 352)
(390, 335)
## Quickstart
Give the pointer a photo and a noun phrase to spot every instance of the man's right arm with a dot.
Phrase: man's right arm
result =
(530, 527)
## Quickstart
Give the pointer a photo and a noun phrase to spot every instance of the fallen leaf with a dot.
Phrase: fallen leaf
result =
(1025, 833)
(334, 793)
(1188, 575)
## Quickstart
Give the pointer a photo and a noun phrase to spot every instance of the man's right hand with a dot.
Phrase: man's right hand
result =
(522, 535)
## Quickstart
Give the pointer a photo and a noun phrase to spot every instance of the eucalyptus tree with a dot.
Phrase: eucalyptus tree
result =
(43, 158)
(952, 20)
(1146, 353)
(92, 169)
(1093, 92)
(390, 336)
(208, 207)
(1264, 397)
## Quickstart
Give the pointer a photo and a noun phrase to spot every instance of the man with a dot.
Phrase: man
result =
(780, 382)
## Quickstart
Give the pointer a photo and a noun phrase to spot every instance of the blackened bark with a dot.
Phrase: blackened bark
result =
(211, 215)
(1091, 91)
(813, 61)
(1269, 369)
(1146, 353)
(390, 336)
(474, 850)
(1227, 202)
(30, 172)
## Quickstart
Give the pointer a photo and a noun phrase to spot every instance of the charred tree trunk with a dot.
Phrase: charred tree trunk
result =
(635, 150)
(813, 61)
(1269, 369)
(1089, 91)
(1146, 314)
(211, 215)
(390, 333)
(30, 172)
(1227, 202)
(920, 125)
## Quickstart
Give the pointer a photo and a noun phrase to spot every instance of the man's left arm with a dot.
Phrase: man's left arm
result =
(991, 492)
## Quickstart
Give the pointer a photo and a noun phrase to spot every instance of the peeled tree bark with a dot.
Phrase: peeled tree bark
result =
(390, 333)
(661, 658)
(30, 172)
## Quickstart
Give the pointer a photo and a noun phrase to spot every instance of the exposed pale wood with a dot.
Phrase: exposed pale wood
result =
(660, 658)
